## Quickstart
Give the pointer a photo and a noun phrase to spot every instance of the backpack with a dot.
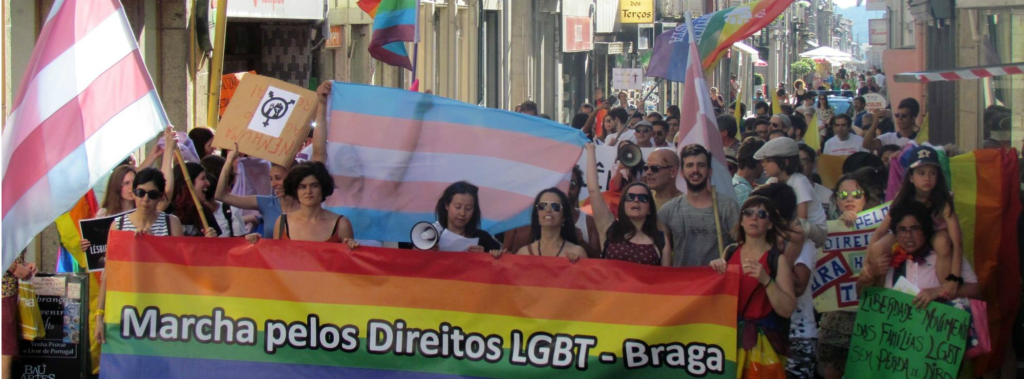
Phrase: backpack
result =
(773, 258)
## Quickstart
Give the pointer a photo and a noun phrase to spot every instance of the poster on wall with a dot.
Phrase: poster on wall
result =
(62, 352)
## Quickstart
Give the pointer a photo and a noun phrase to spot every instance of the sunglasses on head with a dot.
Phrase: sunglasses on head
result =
(655, 169)
(543, 206)
(153, 194)
(843, 195)
(760, 213)
(637, 197)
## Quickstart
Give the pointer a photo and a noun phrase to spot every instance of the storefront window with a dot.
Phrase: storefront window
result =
(1002, 97)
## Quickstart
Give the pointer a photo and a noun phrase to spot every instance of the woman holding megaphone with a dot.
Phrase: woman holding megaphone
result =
(458, 215)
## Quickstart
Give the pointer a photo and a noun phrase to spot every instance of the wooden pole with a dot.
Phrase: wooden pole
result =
(191, 190)
(718, 223)
(217, 67)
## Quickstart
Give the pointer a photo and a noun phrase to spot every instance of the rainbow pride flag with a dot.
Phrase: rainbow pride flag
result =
(394, 23)
(215, 308)
(393, 159)
(985, 187)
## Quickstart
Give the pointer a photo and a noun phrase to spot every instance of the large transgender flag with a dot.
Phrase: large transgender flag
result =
(698, 125)
(86, 101)
(393, 152)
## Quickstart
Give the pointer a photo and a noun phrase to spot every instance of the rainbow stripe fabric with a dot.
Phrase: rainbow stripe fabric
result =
(215, 308)
(394, 23)
(985, 184)
(732, 25)
(393, 159)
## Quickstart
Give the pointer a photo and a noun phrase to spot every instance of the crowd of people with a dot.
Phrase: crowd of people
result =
(772, 232)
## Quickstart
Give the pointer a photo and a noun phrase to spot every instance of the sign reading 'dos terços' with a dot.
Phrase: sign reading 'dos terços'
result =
(894, 339)
(636, 11)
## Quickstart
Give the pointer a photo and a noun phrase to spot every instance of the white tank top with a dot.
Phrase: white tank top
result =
(581, 224)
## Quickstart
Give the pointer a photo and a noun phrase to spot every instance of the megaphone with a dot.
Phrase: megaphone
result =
(630, 154)
(425, 236)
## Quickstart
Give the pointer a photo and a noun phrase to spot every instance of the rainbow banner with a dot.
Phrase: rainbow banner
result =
(214, 308)
(985, 184)
(395, 22)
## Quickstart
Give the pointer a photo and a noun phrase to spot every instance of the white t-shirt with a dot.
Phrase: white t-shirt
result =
(894, 138)
(805, 194)
(237, 225)
(628, 135)
(880, 79)
(802, 321)
(853, 144)
(822, 195)
(806, 110)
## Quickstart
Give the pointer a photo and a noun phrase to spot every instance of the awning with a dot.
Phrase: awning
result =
(760, 63)
(812, 43)
(745, 48)
(977, 72)
(829, 53)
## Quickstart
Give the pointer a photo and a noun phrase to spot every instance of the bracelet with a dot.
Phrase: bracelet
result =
(770, 281)
(954, 278)
(100, 312)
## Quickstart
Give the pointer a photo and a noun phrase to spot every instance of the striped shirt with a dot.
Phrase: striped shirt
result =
(160, 228)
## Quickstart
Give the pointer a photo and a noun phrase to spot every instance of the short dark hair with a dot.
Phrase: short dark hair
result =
(779, 222)
(673, 110)
(150, 174)
(761, 105)
(849, 120)
(670, 118)
(637, 114)
(661, 123)
(728, 124)
(692, 150)
(302, 170)
(783, 196)
(528, 106)
(620, 114)
(888, 148)
(656, 115)
(809, 150)
(799, 123)
(911, 105)
(786, 109)
(790, 165)
(746, 154)
(916, 210)
(759, 121)
(587, 105)
(743, 108)
(459, 188)
(860, 98)
(579, 120)
(748, 124)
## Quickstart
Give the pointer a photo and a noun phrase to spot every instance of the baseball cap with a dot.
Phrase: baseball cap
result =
(924, 155)
(779, 147)
(643, 123)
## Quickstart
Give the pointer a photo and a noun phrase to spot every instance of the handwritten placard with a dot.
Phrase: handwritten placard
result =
(892, 338)
(228, 85)
(284, 115)
(874, 101)
(839, 262)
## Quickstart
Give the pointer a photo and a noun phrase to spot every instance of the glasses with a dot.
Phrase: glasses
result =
(911, 230)
(637, 197)
(659, 133)
(153, 194)
(656, 169)
(843, 195)
(760, 213)
(543, 206)
(901, 115)
(775, 125)
(643, 130)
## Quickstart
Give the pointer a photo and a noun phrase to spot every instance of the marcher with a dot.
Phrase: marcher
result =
(310, 184)
(691, 218)
(633, 236)
(661, 130)
(717, 102)
(824, 112)
(843, 142)
(586, 228)
(623, 132)
(202, 139)
(859, 105)
(766, 289)
(10, 334)
(229, 219)
(183, 205)
(660, 175)
(781, 160)
(749, 168)
(458, 211)
(550, 229)
(644, 132)
(147, 219)
(728, 128)
(761, 127)
(906, 126)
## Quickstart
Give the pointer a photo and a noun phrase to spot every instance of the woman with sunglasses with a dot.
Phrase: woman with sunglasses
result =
(147, 219)
(635, 236)
(551, 228)
(825, 113)
(766, 295)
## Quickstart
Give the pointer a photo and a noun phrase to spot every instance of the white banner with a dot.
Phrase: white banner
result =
(606, 156)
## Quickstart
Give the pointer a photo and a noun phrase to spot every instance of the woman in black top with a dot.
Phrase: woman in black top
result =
(458, 211)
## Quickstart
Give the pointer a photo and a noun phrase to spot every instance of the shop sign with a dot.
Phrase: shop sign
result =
(636, 11)
(879, 31)
(276, 9)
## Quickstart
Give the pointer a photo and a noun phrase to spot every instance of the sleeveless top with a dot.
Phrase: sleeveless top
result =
(631, 252)
(753, 297)
(529, 249)
(334, 238)
(160, 228)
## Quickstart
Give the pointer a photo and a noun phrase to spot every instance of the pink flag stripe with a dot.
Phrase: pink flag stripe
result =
(69, 25)
(387, 195)
(67, 76)
(444, 137)
(104, 98)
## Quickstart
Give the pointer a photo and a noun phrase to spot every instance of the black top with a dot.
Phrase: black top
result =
(486, 240)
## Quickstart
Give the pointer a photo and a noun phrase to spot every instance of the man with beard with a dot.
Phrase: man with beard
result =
(660, 174)
(691, 218)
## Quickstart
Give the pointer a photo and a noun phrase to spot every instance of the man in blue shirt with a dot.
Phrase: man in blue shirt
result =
(858, 114)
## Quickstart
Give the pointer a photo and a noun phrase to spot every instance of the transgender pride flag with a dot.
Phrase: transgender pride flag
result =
(393, 152)
(86, 101)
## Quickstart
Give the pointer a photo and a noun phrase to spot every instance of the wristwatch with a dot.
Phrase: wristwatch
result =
(954, 278)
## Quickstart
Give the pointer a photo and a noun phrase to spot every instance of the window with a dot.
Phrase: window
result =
(1002, 97)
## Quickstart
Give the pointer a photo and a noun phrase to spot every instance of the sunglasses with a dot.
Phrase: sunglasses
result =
(760, 213)
(843, 195)
(153, 194)
(901, 115)
(775, 125)
(643, 130)
(543, 206)
(655, 169)
(638, 197)
(659, 133)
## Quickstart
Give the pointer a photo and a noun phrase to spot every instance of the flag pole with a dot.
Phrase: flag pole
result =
(191, 190)
(217, 68)
(649, 92)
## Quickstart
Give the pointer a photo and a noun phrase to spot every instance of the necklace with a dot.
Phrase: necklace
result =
(541, 253)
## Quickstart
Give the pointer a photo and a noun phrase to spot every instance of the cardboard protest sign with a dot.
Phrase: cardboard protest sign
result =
(892, 338)
(268, 118)
(228, 85)
(834, 280)
(874, 101)
(830, 169)
(96, 230)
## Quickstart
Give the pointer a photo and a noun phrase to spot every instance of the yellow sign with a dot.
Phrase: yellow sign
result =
(636, 11)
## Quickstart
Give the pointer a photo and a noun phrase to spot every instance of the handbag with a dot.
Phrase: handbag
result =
(31, 319)
(979, 341)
